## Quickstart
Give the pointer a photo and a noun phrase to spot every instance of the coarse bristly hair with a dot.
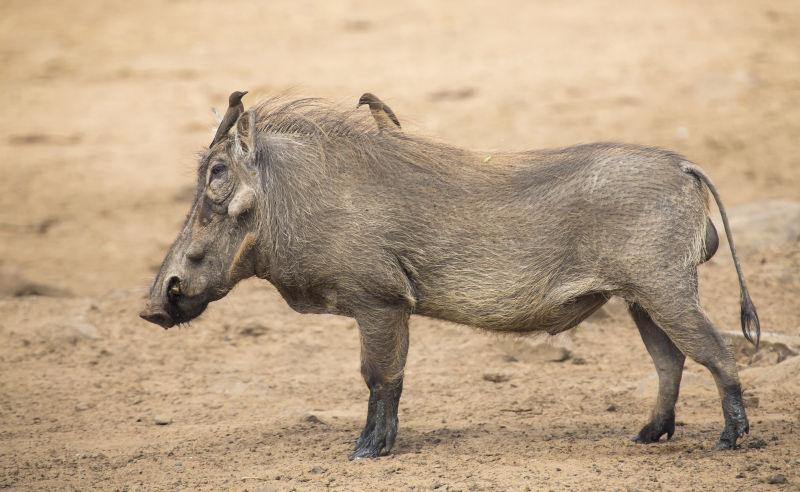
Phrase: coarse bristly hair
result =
(315, 121)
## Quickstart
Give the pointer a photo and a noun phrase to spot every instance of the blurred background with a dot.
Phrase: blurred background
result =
(106, 107)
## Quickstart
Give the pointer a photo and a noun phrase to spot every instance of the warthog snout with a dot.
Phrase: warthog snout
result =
(164, 300)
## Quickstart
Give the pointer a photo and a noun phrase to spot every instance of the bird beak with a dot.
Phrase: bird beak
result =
(244, 93)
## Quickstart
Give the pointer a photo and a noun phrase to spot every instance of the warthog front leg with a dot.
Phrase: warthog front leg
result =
(669, 366)
(384, 345)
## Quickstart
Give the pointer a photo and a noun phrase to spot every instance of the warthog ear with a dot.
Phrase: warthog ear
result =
(242, 201)
(245, 136)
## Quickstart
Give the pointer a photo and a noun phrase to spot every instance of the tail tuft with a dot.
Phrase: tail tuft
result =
(750, 324)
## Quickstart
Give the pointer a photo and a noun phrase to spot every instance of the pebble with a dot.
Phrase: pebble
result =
(777, 479)
(496, 377)
(253, 328)
(313, 419)
(162, 420)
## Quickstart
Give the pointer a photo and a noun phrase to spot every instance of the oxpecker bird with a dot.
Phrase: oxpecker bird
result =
(383, 114)
(235, 109)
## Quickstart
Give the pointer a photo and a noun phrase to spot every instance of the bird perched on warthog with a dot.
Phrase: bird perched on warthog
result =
(235, 109)
(379, 226)
(381, 112)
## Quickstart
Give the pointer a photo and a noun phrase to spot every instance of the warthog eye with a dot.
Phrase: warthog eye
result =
(219, 185)
(218, 170)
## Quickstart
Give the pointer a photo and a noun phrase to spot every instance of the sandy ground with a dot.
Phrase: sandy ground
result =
(106, 104)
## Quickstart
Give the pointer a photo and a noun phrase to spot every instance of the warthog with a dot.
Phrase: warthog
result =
(377, 226)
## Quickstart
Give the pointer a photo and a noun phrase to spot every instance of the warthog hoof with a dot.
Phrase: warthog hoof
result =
(656, 428)
(736, 424)
(377, 438)
(379, 432)
(734, 429)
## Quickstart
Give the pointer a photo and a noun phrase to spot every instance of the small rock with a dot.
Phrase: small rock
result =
(253, 328)
(313, 419)
(757, 443)
(82, 407)
(777, 479)
(162, 420)
(579, 361)
(495, 377)
(317, 470)
(611, 408)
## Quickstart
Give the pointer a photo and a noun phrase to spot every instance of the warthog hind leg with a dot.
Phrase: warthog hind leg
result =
(384, 345)
(677, 312)
(669, 366)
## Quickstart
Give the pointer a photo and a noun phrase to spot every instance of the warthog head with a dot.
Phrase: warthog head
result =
(215, 248)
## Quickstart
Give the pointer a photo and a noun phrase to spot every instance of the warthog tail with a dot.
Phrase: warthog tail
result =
(751, 326)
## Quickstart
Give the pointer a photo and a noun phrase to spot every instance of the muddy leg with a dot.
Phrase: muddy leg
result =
(669, 366)
(384, 345)
(690, 330)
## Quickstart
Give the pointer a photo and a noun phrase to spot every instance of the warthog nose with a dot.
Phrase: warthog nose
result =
(174, 289)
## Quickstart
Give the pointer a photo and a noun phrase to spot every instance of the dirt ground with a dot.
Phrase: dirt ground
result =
(105, 107)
